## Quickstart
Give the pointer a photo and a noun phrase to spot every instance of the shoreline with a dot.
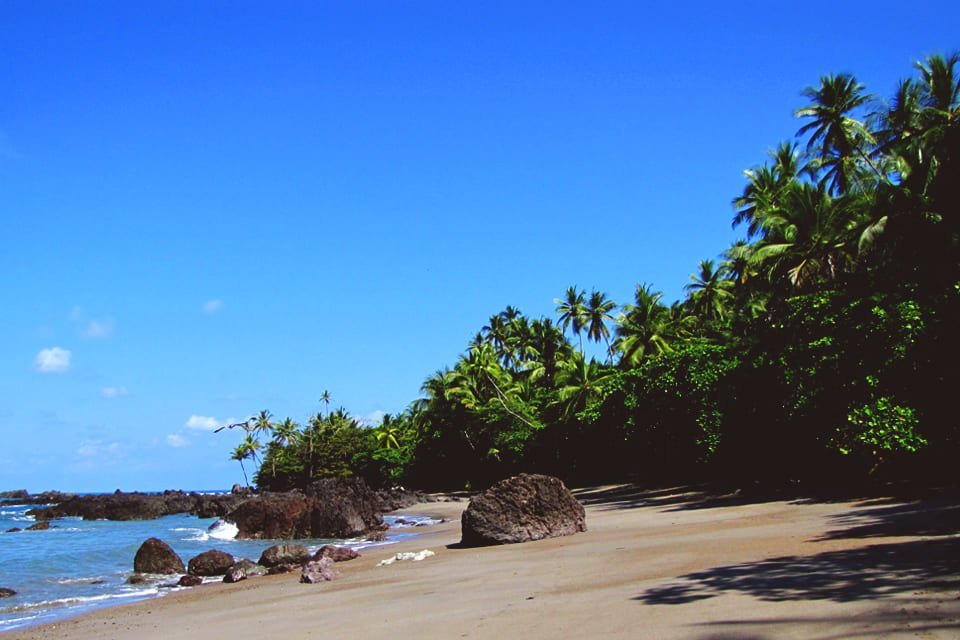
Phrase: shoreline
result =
(663, 561)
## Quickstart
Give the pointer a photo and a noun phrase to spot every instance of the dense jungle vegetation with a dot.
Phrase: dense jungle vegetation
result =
(821, 348)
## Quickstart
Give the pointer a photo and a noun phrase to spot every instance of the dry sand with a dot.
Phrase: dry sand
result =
(669, 563)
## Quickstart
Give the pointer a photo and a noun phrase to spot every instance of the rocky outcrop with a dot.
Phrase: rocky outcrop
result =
(7, 593)
(210, 563)
(21, 497)
(139, 506)
(522, 508)
(189, 581)
(40, 526)
(318, 571)
(335, 553)
(326, 509)
(243, 569)
(156, 556)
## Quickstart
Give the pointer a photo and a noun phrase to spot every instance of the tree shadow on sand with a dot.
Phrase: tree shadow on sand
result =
(839, 576)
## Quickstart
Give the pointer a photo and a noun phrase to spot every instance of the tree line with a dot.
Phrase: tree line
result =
(822, 347)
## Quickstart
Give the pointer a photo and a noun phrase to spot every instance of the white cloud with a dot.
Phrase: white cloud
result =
(113, 392)
(98, 329)
(176, 440)
(53, 360)
(98, 449)
(212, 306)
(373, 418)
(202, 423)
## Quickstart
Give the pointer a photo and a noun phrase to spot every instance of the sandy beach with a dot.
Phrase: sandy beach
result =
(666, 563)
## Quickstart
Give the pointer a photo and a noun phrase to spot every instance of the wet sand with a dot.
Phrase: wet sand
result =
(667, 563)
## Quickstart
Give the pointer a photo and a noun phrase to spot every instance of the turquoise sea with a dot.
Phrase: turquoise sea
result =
(77, 565)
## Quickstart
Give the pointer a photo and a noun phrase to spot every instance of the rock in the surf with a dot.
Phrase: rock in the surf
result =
(210, 563)
(522, 508)
(280, 554)
(189, 581)
(318, 571)
(7, 593)
(156, 556)
(243, 569)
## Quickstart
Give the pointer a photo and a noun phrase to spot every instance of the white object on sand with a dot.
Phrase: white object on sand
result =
(409, 555)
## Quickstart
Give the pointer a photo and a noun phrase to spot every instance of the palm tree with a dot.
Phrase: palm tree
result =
(841, 139)
(710, 292)
(573, 312)
(325, 399)
(810, 239)
(244, 451)
(643, 328)
(579, 382)
(767, 184)
(597, 314)
(387, 434)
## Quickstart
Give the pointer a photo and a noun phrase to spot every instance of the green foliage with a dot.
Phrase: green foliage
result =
(879, 427)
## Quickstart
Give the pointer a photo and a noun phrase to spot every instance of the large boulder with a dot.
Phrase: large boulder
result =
(326, 509)
(522, 508)
(156, 556)
(7, 593)
(210, 563)
(284, 554)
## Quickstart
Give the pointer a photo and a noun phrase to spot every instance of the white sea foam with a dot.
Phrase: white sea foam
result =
(223, 530)
(94, 580)
(80, 600)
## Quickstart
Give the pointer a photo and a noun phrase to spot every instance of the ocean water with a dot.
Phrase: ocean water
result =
(77, 565)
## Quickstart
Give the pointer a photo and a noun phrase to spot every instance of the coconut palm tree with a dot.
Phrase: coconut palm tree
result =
(573, 311)
(766, 187)
(598, 310)
(842, 141)
(643, 329)
(710, 292)
(578, 382)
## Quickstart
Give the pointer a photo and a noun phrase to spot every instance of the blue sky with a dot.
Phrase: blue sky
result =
(215, 208)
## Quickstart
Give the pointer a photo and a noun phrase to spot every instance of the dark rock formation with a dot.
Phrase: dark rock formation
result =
(40, 526)
(335, 553)
(295, 554)
(522, 508)
(243, 569)
(139, 506)
(210, 563)
(156, 556)
(16, 494)
(326, 509)
(189, 581)
(318, 571)
(14, 530)
(7, 593)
